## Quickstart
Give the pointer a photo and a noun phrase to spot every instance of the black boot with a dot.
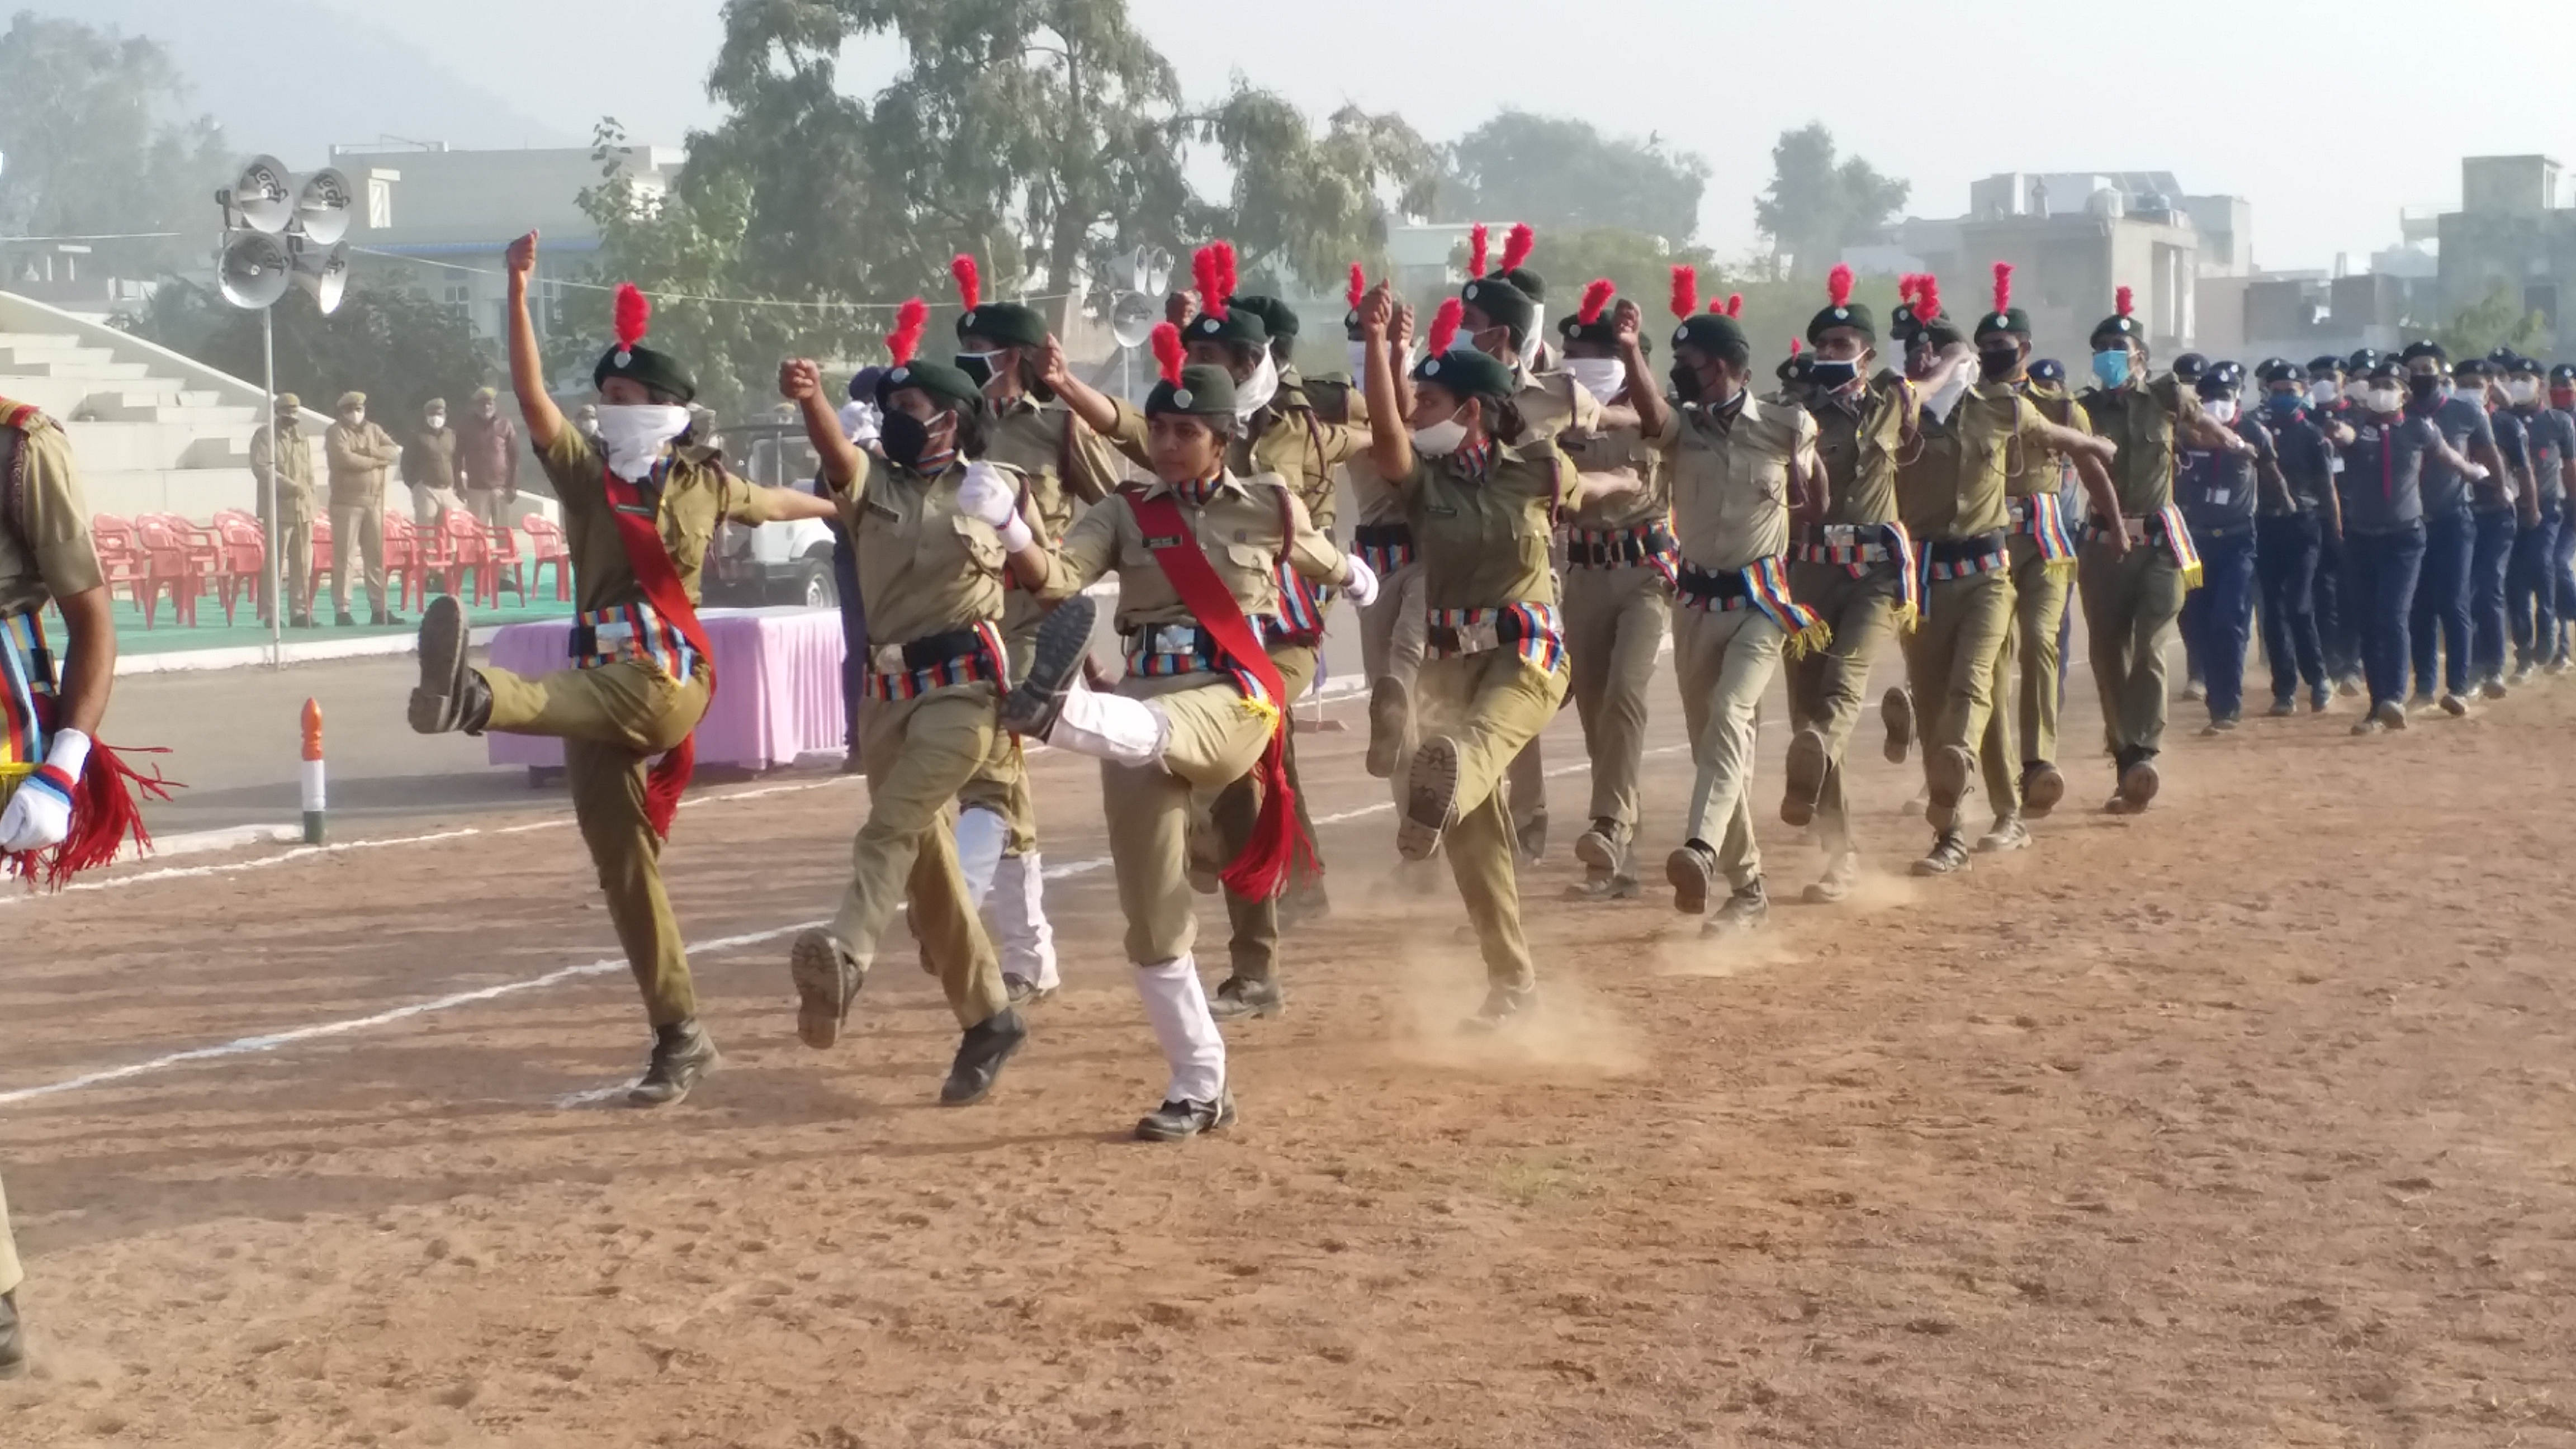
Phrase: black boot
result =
(13, 1343)
(1502, 1007)
(1744, 912)
(827, 984)
(1242, 996)
(987, 1045)
(1063, 642)
(682, 1053)
(1948, 856)
(1180, 1121)
(450, 696)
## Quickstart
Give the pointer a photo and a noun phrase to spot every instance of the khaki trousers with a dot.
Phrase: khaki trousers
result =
(292, 547)
(1614, 627)
(1253, 945)
(612, 720)
(1216, 737)
(429, 505)
(2130, 604)
(1001, 783)
(1950, 665)
(11, 1275)
(2028, 661)
(1392, 631)
(918, 753)
(1726, 660)
(358, 529)
(490, 507)
(1493, 704)
(1829, 688)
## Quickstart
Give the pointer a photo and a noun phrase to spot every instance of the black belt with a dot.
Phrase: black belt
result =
(1508, 630)
(927, 652)
(1963, 550)
(1607, 548)
(2229, 529)
(1694, 582)
(1383, 535)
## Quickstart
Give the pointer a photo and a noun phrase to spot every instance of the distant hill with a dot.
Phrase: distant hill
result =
(293, 77)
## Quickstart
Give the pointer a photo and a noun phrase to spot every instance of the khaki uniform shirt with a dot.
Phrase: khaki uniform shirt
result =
(1485, 542)
(2141, 421)
(1287, 440)
(1860, 445)
(1955, 486)
(1245, 528)
(429, 459)
(924, 567)
(1730, 480)
(294, 473)
(45, 551)
(693, 495)
(1064, 462)
(358, 457)
(1621, 449)
(2058, 406)
(1553, 403)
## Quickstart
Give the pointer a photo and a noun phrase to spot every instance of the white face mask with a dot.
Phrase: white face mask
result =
(636, 434)
(356, 417)
(2323, 394)
(2220, 409)
(2470, 393)
(2523, 390)
(1359, 363)
(438, 420)
(2384, 399)
(1440, 439)
(1254, 393)
(1602, 377)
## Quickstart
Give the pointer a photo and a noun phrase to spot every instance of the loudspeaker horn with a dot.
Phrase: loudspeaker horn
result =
(322, 205)
(254, 270)
(324, 273)
(263, 196)
(1132, 317)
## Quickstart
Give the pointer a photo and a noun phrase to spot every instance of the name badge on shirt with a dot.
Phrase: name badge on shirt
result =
(1166, 541)
(1440, 510)
(884, 511)
(2218, 497)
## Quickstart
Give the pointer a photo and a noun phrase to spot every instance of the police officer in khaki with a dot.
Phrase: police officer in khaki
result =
(1737, 467)
(487, 460)
(1620, 563)
(1193, 712)
(2137, 564)
(287, 464)
(634, 686)
(359, 455)
(1027, 427)
(1950, 495)
(935, 526)
(429, 466)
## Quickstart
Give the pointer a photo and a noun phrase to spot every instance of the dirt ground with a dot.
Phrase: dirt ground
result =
(2246, 1123)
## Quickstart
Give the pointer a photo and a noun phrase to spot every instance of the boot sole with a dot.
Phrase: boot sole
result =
(1146, 1131)
(1390, 715)
(2139, 784)
(1807, 767)
(1431, 799)
(1948, 772)
(2042, 792)
(1896, 711)
(816, 969)
(1055, 661)
(435, 707)
(1595, 850)
(637, 1097)
(1689, 878)
(1223, 1011)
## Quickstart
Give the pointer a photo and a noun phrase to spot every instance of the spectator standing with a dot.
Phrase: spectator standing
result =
(487, 459)
(290, 529)
(429, 466)
(359, 454)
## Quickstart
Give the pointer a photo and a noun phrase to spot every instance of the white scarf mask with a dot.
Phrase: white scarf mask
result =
(634, 436)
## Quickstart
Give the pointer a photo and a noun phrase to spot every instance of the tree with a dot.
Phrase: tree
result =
(1816, 205)
(2496, 320)
(398, 347)
(1307, 206)
(1640, 266)
(1561, 174)
(91, 149)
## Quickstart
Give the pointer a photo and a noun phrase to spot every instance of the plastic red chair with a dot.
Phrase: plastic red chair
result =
(171, 563)
(120, 557)
(547, 545)
(501, 554)
(456, 546)
(245, 555)
(404, 569)
(320, 572)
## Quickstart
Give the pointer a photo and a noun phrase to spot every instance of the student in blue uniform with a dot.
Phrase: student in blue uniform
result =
(2531, 591)
(2332, 384)
(2439, 625)
(2385, 452)
(2219, 492)
(2497, 506)
(2289, 539)
(2562, 399)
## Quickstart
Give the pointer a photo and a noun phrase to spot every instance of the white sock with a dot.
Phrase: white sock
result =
(1111, 727)
(1021, 931)
(981, 834)
(1177, 1005)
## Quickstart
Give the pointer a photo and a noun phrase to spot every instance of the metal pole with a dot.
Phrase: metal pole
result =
(277, 534)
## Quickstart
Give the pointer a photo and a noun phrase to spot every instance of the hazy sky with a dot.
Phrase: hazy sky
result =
(2257, 101)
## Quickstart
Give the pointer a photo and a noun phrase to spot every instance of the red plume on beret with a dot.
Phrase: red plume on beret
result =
(1907, 285)
(909, 320)
(1359, 286)
(1595, 297)
(1797, 345)
(1838, 285)
(1685, 291)
(2126, 301)
(970, 282)
(1168, 353)
(1213, 269)
(2003, 286)
(1734, 305)
(1476, 250)
(1518, 246)
(634, 315)
(1927, 300)
(1445, 324)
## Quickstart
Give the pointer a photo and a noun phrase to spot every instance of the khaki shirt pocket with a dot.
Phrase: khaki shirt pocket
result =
(1250, 575)
(975, 541)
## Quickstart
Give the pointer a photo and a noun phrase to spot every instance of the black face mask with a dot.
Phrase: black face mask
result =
(904, 437)
(1686, 382)
(1998, 363)
(1832, 375)
(975, 367)
(2423, 385)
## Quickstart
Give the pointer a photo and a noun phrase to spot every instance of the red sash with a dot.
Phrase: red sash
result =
(1278, 845)
(654, 574)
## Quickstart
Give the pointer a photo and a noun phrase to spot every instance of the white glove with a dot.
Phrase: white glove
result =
(2478, 473)
(1362, 587)
(986, 493)
(39, 813)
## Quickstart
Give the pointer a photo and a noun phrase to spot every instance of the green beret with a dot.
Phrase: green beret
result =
(1602, 333)
(1718, 335)
(1507, 305)
(1851, 314)
(1202, 392)
(1278, 317)
(1239, 324)
(2121, 325)
(656, 370)
(1532, 285)
(1942, 332)
(1006, 323)
(948, 384)
(2012, 320)
(1469, 373)
(1903, 325)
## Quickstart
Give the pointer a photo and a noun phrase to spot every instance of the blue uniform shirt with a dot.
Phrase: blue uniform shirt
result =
(2219, 490)
(2497, 495)
(2552, 441)
(2306, 459)
(2463, 426)
(2383, 473)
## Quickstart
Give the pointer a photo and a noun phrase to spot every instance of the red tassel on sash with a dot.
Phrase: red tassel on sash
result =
(107, 810)
(660, 581)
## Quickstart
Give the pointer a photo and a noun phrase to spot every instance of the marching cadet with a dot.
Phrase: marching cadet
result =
(2531, 601)
(2440, 630)
(70, 800)
(1003, 347)
(1203, 703)
(1279, 435)
(2218, 494)
(1852, 564)
(2043, 564)
(2499, 508)
(2329, 404)
(935, 525)
(1736, 468)
(639, 513)
(286, 466)
(1951, 497)
(2138, 563)
(2289, 540)
(358, 454)
(1620, 559)
(2386, 447)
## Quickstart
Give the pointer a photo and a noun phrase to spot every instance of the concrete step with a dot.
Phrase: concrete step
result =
(35, 344)
(120, 446)
(174, 410)
(193, 493)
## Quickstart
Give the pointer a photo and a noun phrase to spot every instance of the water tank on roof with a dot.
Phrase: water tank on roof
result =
(2107, 204)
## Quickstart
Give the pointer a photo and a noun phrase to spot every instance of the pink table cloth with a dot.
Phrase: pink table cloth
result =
(778, 687)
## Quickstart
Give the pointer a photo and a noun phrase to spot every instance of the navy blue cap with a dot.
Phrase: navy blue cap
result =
(2048, 369)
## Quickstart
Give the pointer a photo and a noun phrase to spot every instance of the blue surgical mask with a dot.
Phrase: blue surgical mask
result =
(2112, 368)
(2285, 403)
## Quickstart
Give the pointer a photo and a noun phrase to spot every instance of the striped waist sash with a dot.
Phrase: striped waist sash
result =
(1531, 631)
(2041, 518)
(602, 637)
(1384, 547)
(974, 654)
(1762, 586)
(26, 698)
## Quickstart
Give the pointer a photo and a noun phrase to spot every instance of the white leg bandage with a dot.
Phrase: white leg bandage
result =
(981, 834)
(1021, 930)
(1178, 1007)
(1111, 727)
